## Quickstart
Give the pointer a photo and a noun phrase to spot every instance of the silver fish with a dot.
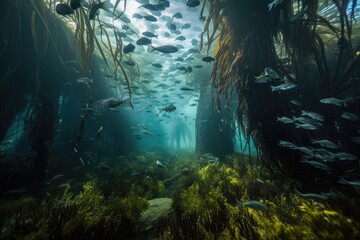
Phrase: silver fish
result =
(316, 164)
(350, 116)
(271, 73)
(283, 87)
(334, 101)
(254, 205)
(325, 143)
(313, 196)
(285, 120)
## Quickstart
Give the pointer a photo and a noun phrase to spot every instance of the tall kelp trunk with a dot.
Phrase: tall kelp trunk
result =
(246, 47)
(36, 49)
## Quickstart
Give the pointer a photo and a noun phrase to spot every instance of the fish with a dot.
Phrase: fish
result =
(193, 50)
(314, 196)
(157, 65)
(129, 48)
(180, 38)
(198, 66)
(193, 104)
(299, 15)
(334, 101)
(285, 120)
(137, 16)
(350, 116)
(143, 41)
(271, 73)
(151, 7)
(166, 34)
(274, 4)
(283, 87)
(179, 59)
(188, 70)
(182, 68)
(286, 144)
(113, 102)
(75, 4)
(193, 3)
(149, 34)
(159, 164)
(354, 183)
(296, 102)
(186, 89)
(325, 143)
(96, 7)
(64, 9)
(150, 18)
(306, 126)
(164, 49)
(208, 59)
(263, 79)
(254, 205)
(345, 156)
(177, 15)
(312, 115)
(316, 164)
(186, 26)
(15, 192)
(169, 108)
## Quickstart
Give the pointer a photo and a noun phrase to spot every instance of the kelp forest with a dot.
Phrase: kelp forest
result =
(179, 119)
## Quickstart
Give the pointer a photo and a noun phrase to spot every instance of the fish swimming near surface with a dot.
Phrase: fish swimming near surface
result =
(254, 205)
(143, 41)
(129, 48)
(186, 89)
(96, 7)
(186, 26)
(208, 59)
(157, 65)
(149, 34)
(169, 108)
(64, 9)
(164, 49)
(193, 3)
(137, 16)
(150, 18)
(177, 15)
